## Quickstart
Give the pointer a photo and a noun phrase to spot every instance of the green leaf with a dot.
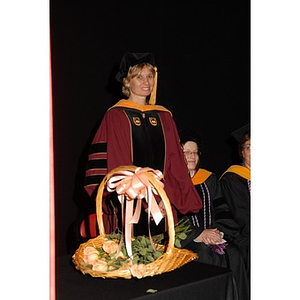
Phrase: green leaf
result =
(150, 258)
(157, 254)
(143, 251)
(117, 264)
(182, 236)
(177, 244)
(135, 243)
(135, 260)
(86, 265)
(143, 241)
(158, 238)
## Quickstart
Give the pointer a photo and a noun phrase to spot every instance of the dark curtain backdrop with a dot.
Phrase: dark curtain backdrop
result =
(202, 51)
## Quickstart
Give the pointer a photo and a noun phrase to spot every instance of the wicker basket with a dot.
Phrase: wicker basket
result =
(170, 260)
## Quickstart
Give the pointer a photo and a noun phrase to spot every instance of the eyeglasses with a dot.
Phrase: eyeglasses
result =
(188, 153)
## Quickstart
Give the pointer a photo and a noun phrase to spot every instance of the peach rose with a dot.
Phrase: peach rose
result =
(90, 254)
(138, 271)
(89, 250)
(100, 265)
(126, 266)
(112, 268)
(110, 247)
(120, 255)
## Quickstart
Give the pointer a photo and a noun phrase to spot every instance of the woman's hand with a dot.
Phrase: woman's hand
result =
(210, 237)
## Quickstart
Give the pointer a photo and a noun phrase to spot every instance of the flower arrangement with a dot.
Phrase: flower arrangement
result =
(120, 255)
(108, 257)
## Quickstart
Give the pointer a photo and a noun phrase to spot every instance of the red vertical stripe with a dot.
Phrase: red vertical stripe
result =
(52, 202)
(82, 229)
(93, 225)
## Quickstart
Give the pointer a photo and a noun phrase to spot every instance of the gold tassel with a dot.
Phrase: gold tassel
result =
(152, 100)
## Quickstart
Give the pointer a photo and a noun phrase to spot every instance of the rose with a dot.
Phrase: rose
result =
(125, 266)
(89, 250)
(119, 255)
(90, 254)
(138, 271)
(110, 247)
(99, 265)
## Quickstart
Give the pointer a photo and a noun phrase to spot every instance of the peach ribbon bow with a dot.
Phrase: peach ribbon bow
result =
(135, 185)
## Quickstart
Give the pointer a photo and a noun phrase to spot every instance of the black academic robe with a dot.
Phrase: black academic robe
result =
(207, 186)
(216, 209)
(233, 216)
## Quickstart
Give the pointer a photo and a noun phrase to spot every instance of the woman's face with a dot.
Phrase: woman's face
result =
(246, 153)
(142, 84)
(190, 151)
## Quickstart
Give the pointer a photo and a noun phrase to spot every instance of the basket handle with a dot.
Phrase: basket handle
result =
(156, 185)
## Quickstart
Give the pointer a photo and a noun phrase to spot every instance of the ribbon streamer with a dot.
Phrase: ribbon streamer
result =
(135, 185)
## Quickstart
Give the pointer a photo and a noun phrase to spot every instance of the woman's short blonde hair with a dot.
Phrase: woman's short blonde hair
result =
(133, 72)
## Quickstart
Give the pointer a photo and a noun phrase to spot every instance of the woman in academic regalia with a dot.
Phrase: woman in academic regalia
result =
(206, 236)
(136, 131)
(233, 211)
(236, 188)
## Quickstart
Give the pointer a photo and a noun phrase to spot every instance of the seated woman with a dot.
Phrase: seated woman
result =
(206, 235)
(235, 184)
(232, 212)
(204, 238)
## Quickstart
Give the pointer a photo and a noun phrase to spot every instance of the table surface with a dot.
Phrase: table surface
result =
(189, 281)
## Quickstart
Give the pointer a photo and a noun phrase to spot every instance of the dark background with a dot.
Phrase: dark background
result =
(202, 51)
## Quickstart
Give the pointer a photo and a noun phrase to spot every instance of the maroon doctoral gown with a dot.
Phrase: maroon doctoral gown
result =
(144, 136)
